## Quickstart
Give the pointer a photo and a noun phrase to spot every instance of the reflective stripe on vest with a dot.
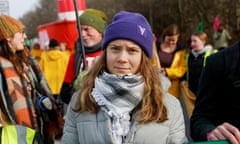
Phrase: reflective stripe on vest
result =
(207, 53)
(17, 134)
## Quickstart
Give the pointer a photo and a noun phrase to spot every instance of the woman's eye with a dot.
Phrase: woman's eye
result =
(114, 48)
(133, 50)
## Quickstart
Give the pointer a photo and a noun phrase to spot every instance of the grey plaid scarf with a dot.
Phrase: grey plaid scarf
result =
(118, 96)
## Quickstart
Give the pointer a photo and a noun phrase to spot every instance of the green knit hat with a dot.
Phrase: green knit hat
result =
(94, 18)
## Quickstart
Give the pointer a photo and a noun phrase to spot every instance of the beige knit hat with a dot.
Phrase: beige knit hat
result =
(9, 26)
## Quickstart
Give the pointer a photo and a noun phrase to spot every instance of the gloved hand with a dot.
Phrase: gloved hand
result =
(44, 103)
(47, 103)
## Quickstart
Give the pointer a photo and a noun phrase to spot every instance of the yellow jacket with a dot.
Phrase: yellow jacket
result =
(53, 64)
(155, 60)
(177, 71)
(36, 53)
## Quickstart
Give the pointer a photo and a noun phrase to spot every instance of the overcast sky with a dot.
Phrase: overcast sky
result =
(19, 7)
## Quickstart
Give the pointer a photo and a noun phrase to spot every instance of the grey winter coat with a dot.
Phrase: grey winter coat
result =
(87, 128)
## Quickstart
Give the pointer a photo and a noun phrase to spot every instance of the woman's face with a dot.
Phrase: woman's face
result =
(17, 42)
(171, 40)
(123, 57)
(196, 43)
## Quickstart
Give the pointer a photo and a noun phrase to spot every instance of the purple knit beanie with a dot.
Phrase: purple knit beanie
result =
(130, 26)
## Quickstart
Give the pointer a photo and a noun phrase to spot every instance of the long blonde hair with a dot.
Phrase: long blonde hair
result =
(151, 108)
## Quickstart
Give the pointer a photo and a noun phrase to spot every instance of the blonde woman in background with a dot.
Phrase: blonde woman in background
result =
(196, 58)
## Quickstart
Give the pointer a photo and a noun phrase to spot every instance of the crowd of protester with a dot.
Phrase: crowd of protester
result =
(132, 87)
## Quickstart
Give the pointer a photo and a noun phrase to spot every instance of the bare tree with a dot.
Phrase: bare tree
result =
(45, 12)
(160, 13)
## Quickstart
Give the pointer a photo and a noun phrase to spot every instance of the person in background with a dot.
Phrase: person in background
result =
(123, 96)
(216, 113)
(19, 98)
(93, 23)
(196, 58)
(36, 51)
(53, 64)
(62, 47)
(172, 57)
(45, 46)
(221, 38)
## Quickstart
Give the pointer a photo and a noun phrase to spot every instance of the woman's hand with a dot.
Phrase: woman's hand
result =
(223, 132)
(184, 83)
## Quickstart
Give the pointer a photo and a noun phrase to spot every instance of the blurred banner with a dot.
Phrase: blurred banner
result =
(64, 29)
(216, 23)
(66, 9)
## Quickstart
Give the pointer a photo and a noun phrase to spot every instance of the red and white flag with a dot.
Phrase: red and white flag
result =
(66, 9)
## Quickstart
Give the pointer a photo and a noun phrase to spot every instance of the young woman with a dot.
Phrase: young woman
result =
(172, 57)
(195, 61)
(20, 79)
(122, 98)
(196, 58)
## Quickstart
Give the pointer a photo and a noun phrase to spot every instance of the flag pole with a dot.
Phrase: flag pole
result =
(79, 44)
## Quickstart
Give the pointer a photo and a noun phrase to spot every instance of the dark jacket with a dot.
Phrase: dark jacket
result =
(219, 93)
(73, 70)
(195, 66)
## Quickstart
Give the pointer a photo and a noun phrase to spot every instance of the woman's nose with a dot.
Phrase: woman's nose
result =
(123, 56)
(24, 35)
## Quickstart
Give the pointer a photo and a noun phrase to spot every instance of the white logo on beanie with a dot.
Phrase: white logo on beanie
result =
(142, 30)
